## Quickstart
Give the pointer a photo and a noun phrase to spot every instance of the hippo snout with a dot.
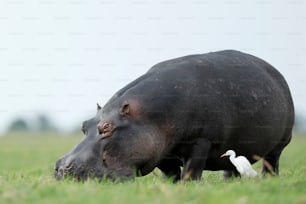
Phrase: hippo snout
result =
(73, 167)
(63, 168)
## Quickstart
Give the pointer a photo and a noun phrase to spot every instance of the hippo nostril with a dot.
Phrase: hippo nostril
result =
(59, 172)
(63, 168)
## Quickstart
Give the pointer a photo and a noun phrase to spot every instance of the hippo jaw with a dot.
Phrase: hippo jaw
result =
(77, 171)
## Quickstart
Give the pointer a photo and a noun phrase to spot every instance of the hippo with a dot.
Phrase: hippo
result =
(186, 112)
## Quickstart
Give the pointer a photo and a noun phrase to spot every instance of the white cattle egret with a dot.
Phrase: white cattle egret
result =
(241, 163)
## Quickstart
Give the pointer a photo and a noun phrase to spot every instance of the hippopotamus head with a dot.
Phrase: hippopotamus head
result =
(83, 160)
(133, 144)
(118, 145)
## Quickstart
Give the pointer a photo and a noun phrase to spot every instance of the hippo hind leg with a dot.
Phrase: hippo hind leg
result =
(271, 163)
(271, 160)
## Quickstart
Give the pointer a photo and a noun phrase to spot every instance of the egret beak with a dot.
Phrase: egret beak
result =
(223, 155)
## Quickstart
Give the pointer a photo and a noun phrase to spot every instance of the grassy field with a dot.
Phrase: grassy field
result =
(26, 166)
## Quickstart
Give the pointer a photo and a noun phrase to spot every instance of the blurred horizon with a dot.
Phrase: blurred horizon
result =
(59, 58)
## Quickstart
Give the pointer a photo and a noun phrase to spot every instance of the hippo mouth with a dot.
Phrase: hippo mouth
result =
(81, 173)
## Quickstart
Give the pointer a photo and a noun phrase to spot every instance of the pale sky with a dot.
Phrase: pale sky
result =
(60, 57)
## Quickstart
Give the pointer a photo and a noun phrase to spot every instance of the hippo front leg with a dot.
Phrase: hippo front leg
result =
(171, 167)
(195, 163)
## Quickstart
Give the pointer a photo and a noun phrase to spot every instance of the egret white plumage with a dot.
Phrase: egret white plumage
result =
(241, 163)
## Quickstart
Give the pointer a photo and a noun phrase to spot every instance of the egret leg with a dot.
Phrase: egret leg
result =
(227, 174)
(195, 162)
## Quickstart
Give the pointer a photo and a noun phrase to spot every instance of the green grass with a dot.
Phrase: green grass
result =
(26, 166)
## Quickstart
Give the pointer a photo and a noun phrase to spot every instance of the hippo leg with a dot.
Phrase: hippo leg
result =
(271, 160)
(195, 163)
(271, 163)
(171, 168)
(227, 174)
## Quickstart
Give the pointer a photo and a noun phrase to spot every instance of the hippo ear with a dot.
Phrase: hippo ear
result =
(98, 107)
(125, 109)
